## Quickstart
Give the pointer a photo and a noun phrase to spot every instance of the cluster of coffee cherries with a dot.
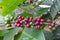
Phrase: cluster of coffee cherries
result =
(51, 24)
(8, 20)
(19, 22)
(27, 22)
(37, 22)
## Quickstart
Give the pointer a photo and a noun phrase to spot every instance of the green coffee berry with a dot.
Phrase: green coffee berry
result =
(8, 25)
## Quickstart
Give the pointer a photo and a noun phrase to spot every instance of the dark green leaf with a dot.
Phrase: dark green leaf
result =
(40, 12)
(1, 38)
(17, 37)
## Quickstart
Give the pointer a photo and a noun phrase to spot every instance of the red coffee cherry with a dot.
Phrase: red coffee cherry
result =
(17, 24)
(30, 19)
(36, 23)
(40, 17)
(20, 17)
(38, 20)
(26, 22)
(17, 21)
(49, 21)
(21, 22)
(42, 20)
(41, 23)
(28, 25)
(52, 24)
(38, 26)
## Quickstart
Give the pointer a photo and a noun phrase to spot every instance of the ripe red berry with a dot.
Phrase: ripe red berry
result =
(38, 20)
(26, 22)
(52, 25)
(31, 17)
(17, 21)
(30, 20)
(38, 26)
(42, 20)
(41, 23)
(39, 17)
(49, 21)
(17, 24)
(21, 22)
(21, 17)
(36, 23)
(28, 25)
(35, 20)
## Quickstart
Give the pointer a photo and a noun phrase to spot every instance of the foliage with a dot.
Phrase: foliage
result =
(32, 9)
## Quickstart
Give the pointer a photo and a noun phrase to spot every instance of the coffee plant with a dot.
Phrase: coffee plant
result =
(29, 19)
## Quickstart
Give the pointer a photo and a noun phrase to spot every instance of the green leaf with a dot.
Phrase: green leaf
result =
(25, 14)
(47, 16)
(7, 6)
(47, 2)
(3, 32)
(17, 37)
(40, 12)
(32, 34)
(11, 34)
(27, 7)
(1, 38)
(55, 8)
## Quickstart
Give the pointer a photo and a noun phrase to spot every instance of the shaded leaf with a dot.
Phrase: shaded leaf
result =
(55, 8)
(40, 12)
